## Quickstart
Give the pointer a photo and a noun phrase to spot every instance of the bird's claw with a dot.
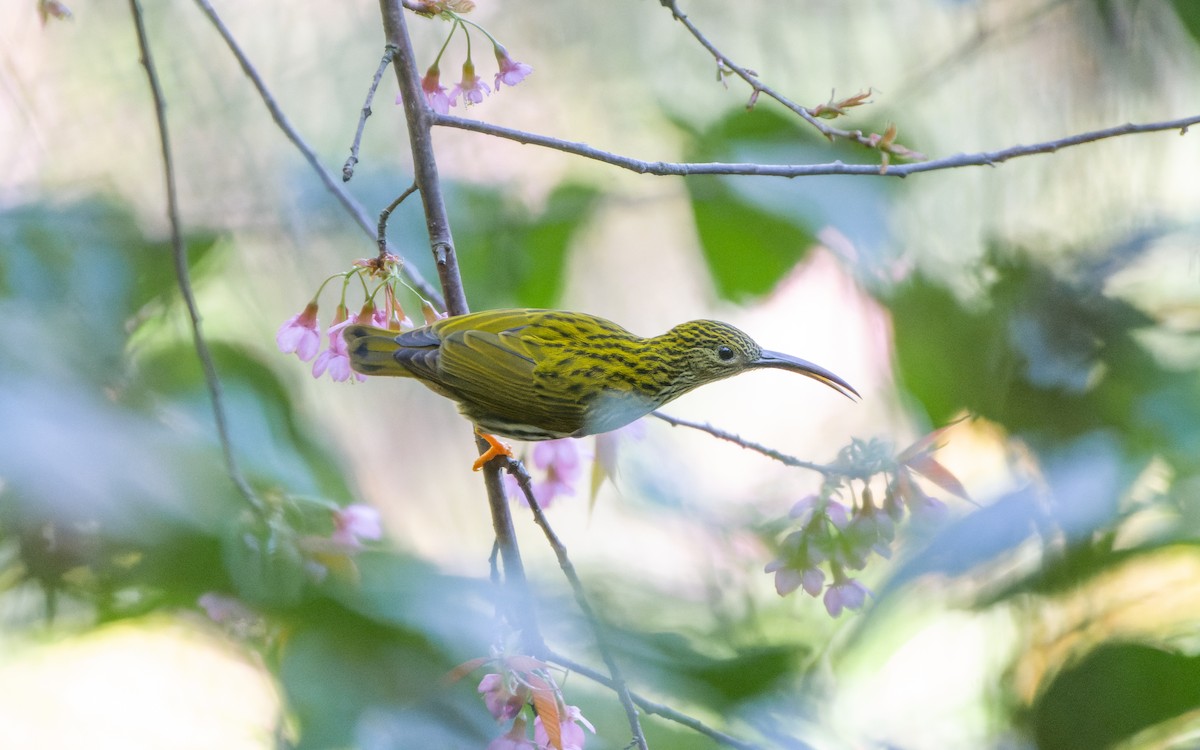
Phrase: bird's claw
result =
(495, 449)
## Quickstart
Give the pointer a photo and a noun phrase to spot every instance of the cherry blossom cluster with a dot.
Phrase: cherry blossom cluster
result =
(521, 688)
(471, 87)
(838, 529)
(301, 333)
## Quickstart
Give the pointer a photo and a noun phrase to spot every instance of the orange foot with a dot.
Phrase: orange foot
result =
(495, 448)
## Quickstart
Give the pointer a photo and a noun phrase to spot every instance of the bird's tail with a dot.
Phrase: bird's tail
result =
(372, 350)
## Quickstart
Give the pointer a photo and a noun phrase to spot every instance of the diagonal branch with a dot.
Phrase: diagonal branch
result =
(352, 206)
(782, 458)
(183, 276)
(617, 683)
(650, 706)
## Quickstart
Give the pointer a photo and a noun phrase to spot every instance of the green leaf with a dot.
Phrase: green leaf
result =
(1115, 691)
(265, 565)
(351, 683)
(753, 231)
(81, 272)
(510, 257)
(747, 247)
(1189, 16)
(676, 665)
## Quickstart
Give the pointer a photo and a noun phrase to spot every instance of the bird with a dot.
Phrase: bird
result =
(532, 374)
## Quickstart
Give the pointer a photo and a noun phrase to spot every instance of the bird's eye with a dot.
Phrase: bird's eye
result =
(725, 353)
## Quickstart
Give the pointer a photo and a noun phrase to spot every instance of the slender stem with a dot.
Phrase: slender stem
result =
(650, 706)
(183, 275)
(782, 458)
(683, 169)
(521, 609)
(348, 167)
(517, 470)
(425, 171)
(352, 206)
(385, 214)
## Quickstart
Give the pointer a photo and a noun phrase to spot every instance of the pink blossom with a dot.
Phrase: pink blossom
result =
(355, 523)
(925, 507)
(804, 509)
(501, 702)
(435, 93)
(845, 593)
(561, 461)
(837, 514)
(812, 579)
(789, 579)
(572, 734)
(336, 359)
(472, 87)
(300, 334)
(511, 72)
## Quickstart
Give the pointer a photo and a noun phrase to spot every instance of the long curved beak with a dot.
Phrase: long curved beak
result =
(804, 367)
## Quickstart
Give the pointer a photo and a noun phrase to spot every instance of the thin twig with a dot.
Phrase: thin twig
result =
(352, 206)
(348, 168)
(386, 213)
(885, 144)
(782, 458)
(650, 706)
(756, 85)
(517, 470)
(682, 169)
(183, 275)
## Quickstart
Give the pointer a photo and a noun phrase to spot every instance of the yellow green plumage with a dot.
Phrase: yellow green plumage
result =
(545, 374)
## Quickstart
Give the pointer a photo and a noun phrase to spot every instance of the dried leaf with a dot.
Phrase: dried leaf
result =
(545, 704)
(929, 467)
(520, 663)
(464, 669)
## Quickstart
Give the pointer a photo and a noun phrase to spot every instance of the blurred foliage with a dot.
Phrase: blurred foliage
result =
(752, 234)
(511, 257)
(115, 502)
(1046, 353)
(1114, 692)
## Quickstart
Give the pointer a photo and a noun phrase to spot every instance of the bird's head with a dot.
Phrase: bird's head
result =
(709, 350)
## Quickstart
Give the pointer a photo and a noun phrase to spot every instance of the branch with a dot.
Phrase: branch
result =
(183, 275)
(782, 458)
(348, 167)
(425, 171)
(758, 86)
(650, 706)
(522, 612)
(683, 169)
(352, 206)
(517, 470)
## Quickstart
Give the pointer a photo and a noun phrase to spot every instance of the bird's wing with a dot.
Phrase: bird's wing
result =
(443, 349)
(495, 367)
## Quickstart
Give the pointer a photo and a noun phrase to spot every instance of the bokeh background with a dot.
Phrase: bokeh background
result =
(1050, 304)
